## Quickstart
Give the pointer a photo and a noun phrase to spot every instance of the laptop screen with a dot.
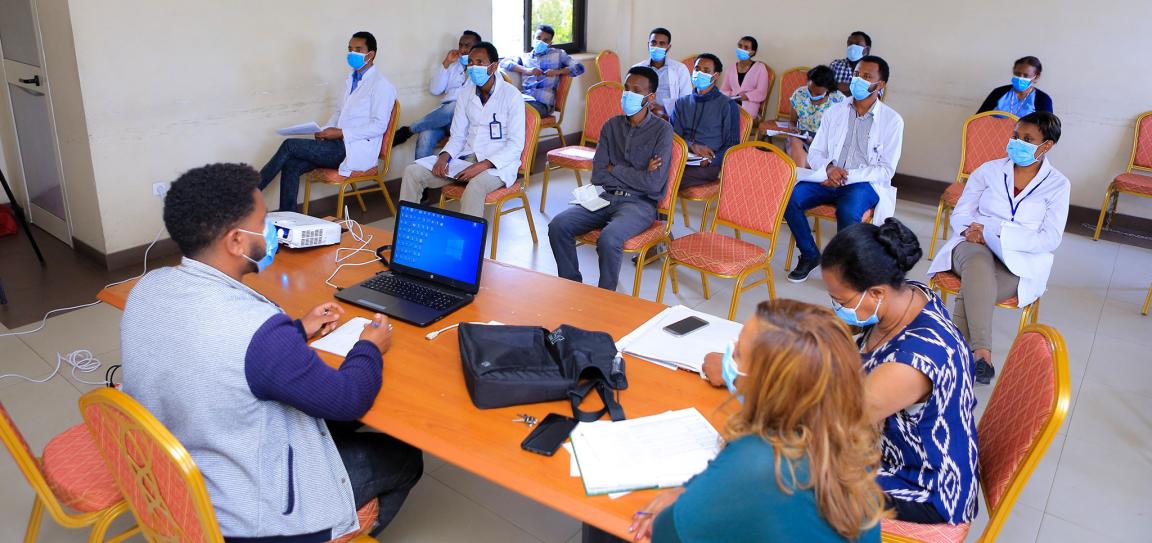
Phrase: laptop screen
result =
(439, 245)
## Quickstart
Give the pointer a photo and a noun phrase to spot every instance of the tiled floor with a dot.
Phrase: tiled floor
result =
(1095, 484)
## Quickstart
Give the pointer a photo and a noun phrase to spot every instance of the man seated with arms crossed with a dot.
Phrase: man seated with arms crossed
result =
(675, 81)
(351, 141)
(631, 165)
(857, 146)
(488, 123)
(708, 121)
(233, 378)
(447, 78)
(542, 68)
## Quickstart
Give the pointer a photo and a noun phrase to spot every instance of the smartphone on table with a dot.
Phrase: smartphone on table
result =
(685, 326)
(547, 437)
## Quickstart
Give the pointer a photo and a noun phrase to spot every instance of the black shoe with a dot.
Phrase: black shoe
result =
(650, 255)
(402, 135)
(803, 269)
(984, 372)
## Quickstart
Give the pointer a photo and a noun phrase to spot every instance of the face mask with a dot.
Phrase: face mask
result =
(701, 80)
(849, 315)
(632, 103)
(859, 88)
(271, 245)
(729, 372)
(1021, 83)
(464, 60)
(356, 60)
(816, 98)
(743, 55)
(657, 54)
(1022, 152)
(855, 52)
(539, 48)
(479, 75)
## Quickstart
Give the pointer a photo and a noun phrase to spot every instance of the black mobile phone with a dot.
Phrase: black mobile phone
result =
(549, 434)
(685, 326)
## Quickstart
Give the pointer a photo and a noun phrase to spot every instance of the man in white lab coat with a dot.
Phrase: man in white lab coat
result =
(675, 80)
(447, 78)
(854, 156)
(351, 140)
(487, 138)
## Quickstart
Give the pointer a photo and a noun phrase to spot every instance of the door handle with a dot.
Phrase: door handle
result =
(34, 81)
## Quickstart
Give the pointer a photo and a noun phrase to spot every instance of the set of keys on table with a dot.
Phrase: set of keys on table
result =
(525, 418)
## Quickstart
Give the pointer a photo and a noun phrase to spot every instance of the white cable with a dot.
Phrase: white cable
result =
(357, 232)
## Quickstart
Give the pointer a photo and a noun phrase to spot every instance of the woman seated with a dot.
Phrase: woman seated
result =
(809, 102)
(1006, 225)
(750, 83)
(919, 383)
(1021, 97)
(800, 453)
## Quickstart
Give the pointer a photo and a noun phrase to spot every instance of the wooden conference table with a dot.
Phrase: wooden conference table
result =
(423, 400)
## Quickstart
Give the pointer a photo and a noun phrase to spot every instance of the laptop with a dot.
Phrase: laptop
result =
(437, 256)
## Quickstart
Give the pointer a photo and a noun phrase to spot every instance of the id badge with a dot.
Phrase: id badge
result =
(495, 129)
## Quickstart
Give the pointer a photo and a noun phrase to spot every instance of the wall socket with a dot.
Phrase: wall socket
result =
(159, 189)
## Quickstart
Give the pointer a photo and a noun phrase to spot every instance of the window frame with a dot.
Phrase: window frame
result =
(579, 18)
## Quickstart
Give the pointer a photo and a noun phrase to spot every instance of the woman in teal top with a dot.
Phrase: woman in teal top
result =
(797, 376)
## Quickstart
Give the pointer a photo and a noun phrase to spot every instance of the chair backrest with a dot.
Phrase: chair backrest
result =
(1024, 413)
(153, 470)
(389, 135)
(690, 62)
(985, 137)
(763, 113)
(602, 103)
(608, 66)
(676, 163)
(755, 184)
(792, 79)
(746, 122)
(1142, 144)
(531, 137)
(27, 461)
(562, 88)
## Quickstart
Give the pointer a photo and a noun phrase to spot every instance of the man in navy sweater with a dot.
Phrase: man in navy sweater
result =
(708, 121)
(234, 379)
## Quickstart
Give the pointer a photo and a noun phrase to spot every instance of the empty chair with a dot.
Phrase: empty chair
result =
(1129, 182)
(608, 66)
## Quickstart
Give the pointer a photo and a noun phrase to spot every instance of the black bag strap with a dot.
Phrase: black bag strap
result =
(607, 394)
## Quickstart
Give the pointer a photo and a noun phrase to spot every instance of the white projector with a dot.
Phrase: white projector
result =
(298, 231)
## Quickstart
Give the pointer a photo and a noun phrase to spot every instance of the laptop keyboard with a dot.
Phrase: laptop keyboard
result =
(408, 290)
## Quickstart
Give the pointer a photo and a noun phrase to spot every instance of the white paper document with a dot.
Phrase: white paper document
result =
(589, 197)
(305, 129)
(693, 159)
(784, 124)
(341, 340)
(455, 166)
(659, 451)
(789, 134)
(652, 343)
(815, 176)
(587, 154)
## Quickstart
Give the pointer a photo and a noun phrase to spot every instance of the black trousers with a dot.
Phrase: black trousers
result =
(920, 513)
(379, 466)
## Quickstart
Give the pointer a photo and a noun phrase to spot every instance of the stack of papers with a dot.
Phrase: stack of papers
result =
(789, 134)
(652, 343)
(589, 197)
(660, 451)
(694, 159)
(305, 129)
(342, 339)
(815, 176)
(455, 166)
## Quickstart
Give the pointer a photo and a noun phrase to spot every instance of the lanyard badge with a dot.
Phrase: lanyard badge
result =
(495, 129)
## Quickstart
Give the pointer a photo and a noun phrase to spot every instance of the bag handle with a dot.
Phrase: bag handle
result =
(611, 403)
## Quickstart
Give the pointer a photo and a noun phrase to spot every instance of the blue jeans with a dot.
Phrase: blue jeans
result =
(431, 129)
(851, 202)
(380, 467)
(296, 157)
(624, 218)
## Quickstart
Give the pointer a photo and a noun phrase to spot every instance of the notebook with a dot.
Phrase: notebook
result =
(652, 343)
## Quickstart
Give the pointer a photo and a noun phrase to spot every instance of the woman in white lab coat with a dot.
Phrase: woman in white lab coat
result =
(1006, 226)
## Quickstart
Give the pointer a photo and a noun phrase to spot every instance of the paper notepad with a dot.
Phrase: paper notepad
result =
(455, 166)
(814, 176)
(652, 343)
(305, 129)
(789, 134)
(341, 340)
(589, 197)
(660, 451)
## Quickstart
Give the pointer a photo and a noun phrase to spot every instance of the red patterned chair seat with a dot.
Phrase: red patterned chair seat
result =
(635, 243)
(1133, 182)
(951, 282)
(829, 212)
(332, 176)
(76, 473)
(455, 191)
(952, 194)
(367, 517)
(716, 253)
(570, 157)
(701, 192)
(929, 533)
(548, 121)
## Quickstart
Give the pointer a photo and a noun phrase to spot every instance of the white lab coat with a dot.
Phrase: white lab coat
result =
(446, 82)
(679, 82)
(1024, 243)
(471, 124)
(885, 140)
(363, 116)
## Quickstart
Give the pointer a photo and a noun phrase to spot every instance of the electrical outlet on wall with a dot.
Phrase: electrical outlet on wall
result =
(159, 189)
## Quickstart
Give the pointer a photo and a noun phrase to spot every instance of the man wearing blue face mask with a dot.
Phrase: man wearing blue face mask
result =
(269, 424)
(541, 68)
(447, 78)
(708, 121)
(675, 79)
(859, 45)
(353, 136)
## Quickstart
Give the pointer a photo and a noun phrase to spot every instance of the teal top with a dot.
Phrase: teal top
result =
(737, 499)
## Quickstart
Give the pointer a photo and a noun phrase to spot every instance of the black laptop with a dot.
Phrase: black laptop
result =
(437, 256)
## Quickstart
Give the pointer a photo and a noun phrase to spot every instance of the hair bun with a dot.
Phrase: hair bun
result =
(899, 242)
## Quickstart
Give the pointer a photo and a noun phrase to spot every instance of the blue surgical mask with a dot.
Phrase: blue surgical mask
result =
(357, 60)
(632, 103)
(271, 245)
(1021, 152)
(479, 75)
(539, 48)
(1021, 84)
(743, 55)
(701, 80)
(730, 372)
(859, 88)
(849, 315)
(855, 52)
(657, 54)
(464, 60)
(815, 97)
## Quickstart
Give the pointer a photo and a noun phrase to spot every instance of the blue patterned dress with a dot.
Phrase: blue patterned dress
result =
(929, 449)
